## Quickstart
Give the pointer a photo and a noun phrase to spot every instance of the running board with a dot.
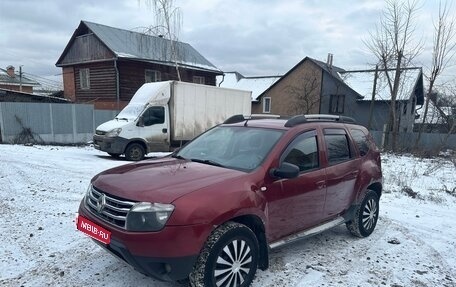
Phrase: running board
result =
(303, 234)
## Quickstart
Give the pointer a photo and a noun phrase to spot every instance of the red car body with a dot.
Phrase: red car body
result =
(206, 196)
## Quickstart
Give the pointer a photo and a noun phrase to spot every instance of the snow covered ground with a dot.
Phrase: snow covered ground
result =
(414, 243)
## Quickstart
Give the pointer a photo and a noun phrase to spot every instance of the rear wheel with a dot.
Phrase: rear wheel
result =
(135, 152)
(366, 215)
(229, 258)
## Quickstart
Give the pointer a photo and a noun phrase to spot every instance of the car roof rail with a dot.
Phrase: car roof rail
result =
(235, 119)
(240, 118)
(300, 119)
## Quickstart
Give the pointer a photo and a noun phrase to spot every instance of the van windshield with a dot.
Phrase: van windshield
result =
(241, 148)
(131, 111)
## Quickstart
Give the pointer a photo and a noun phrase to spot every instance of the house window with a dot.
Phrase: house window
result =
(336, 104)
(266, 105)
(152, 76)
(198, 80)
(84, 78)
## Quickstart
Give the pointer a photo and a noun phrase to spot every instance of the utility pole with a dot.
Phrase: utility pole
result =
(374, 91)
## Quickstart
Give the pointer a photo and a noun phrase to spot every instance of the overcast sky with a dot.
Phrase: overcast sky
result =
(255, 38)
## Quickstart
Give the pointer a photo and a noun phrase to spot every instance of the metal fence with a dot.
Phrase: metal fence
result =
(431, 142)
(50, 123)
(75, 124)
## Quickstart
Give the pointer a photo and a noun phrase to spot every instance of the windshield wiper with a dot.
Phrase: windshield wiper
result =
(123, 119)
(177, 156)
(207, 161)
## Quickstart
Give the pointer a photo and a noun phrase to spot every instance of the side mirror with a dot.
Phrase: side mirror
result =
(140, 122)
(286, 170)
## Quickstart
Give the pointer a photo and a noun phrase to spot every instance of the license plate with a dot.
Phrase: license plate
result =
(93, 230)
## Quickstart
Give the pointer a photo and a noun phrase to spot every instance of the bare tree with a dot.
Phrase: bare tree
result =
(304, 95)
(444, 45)
(394, 46)
(168, 22)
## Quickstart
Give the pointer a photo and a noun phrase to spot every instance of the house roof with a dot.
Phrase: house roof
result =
(131, 45)
(333, 71)
(435, 115)
(16, 96)
(363, 83)
(5, 79)
(257, 85)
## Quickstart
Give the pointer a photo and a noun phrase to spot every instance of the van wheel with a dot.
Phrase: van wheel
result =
(229, 258)
(366, 216)
(135, 152)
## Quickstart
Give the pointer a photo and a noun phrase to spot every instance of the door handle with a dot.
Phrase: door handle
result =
(321, 184)
(165, 130)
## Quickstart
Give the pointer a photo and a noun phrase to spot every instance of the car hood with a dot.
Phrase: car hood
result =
(162, 180)
(112, 124)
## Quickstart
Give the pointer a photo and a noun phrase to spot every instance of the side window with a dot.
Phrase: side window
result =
(266, 105)
(336, 104)
(337, 146)
(84, 78)
(199, 80)
(152, 76)
(154, 115)
(303, 152)
(361, 141)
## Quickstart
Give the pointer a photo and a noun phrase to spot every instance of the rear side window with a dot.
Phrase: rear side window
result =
(337, 145)
(303, 152)
(361, 141)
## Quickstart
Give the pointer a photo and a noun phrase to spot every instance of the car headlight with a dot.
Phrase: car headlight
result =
(113, 132)
(145, 216)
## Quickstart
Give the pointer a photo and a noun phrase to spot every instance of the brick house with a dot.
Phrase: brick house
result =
(310, 87)
(105, 65)
(10, 80)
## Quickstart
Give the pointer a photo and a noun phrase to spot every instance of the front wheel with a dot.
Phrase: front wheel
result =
(229, 258)
(366, 215)
(135, 152)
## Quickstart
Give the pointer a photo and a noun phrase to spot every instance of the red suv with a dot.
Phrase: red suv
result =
(212, 211)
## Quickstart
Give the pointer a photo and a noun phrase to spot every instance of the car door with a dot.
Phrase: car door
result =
(341, 172)
(296, 204)
(152, 128)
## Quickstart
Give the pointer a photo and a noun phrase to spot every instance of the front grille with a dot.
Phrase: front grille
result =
(114, 210)
(100, 133)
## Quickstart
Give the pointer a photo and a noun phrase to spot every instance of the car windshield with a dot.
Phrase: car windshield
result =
(241, 148)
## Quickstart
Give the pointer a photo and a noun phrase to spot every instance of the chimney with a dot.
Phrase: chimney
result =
(329, 61)
(10, 71)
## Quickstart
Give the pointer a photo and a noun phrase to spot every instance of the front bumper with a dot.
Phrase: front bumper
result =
(163, 269)
(167, 255)
(114, 145)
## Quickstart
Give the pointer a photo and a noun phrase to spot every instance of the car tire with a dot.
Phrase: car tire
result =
(366, 215)
(229, 258)
(134, 152)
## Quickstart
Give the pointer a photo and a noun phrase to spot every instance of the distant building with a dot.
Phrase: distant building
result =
(105, 65)
(10, 80)
(316, 87)
(410, 96)
(257, 85)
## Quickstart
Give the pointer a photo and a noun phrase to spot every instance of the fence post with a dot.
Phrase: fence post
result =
(73, 113)
(1, 123)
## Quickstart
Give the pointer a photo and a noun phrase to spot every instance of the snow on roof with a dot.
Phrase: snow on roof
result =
(434, 115)
(5, 79)
(257, 85)
(134, 45)
(363, 83)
